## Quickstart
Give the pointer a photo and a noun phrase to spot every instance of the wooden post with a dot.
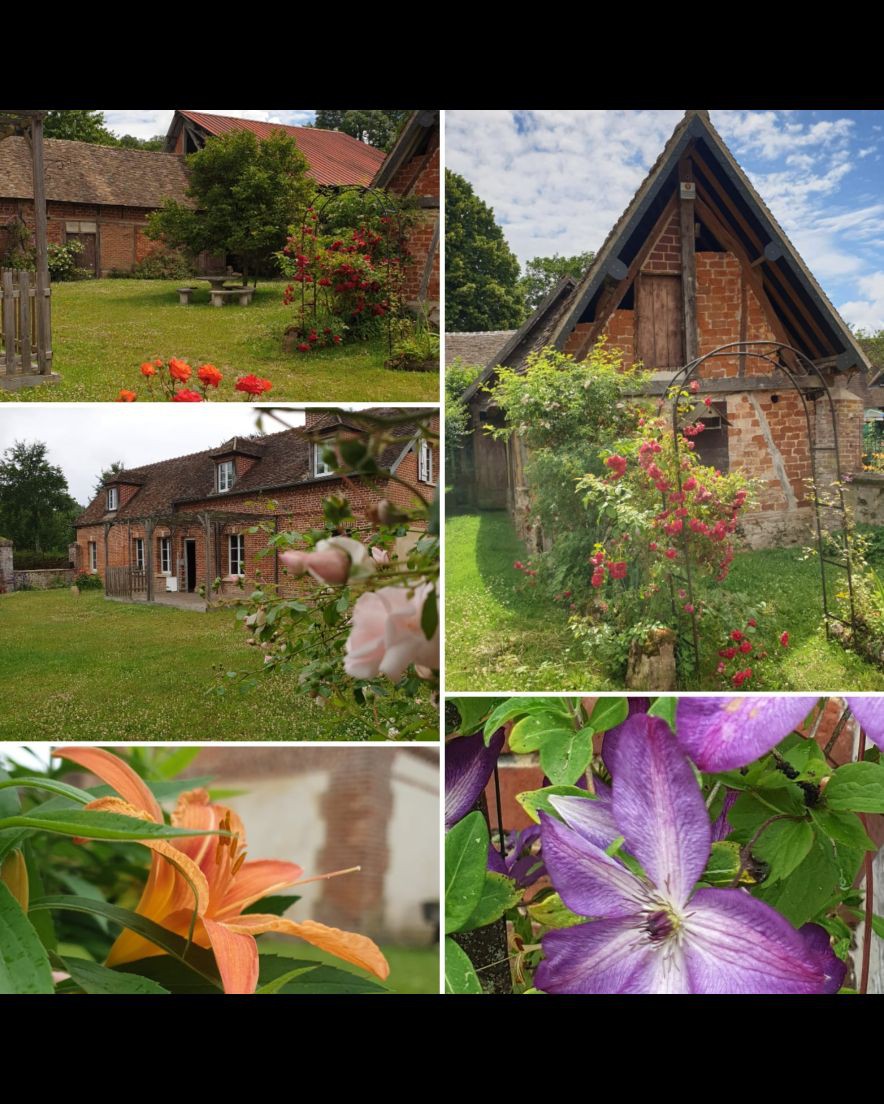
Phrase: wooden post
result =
(688, 257)
(148, 556)
(24, 321)
(41, 299)
(8, 296)
(207, 527)
(107, 529)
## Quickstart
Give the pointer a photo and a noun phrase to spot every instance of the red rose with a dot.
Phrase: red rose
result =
(736, 635)
(670, 553)
(617, 570)
(752, 622)
(127, 396)
(148, 370)
(746, 646)
(302, 348)
(187, 396)
(784, 639)
(253, 385)
(179, 370)
(209, 375)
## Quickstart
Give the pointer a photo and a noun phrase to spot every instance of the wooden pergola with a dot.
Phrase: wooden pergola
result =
(19, 371)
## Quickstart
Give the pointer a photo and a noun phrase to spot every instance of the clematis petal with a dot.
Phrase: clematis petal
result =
(236, 954)
(659, 808)
(722, 734)
(590, 882)
(117, 774)
(869, 711)
(609, 741)
(609, 956)
(592, 818)
(357, 949)
(468, 766)
(255, 880)
(734, 943)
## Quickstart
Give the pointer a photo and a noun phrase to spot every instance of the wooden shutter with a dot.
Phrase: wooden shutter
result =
(659, 321)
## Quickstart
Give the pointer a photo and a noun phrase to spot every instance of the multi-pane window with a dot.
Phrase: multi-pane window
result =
(237, 553)
(425, 462)
(138, 551)
(93, 557)
(319, 465)
(166, 555)
(113, 498)
(226, 474)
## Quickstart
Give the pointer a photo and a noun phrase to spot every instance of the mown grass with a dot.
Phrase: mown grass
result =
(103, 329)
(412, 969)
(499, 636)
(84, 668)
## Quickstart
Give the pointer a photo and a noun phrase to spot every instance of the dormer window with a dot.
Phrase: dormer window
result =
(225, 475)
(113, 498)
(320, 467)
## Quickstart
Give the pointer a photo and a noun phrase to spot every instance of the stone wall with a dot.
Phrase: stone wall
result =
(6, 548)
(42, 579)
(865, 498)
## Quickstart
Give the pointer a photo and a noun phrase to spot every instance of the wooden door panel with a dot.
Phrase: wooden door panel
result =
(659, 321)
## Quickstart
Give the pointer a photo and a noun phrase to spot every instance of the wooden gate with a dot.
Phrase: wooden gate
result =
(25, 342)
(124, 582)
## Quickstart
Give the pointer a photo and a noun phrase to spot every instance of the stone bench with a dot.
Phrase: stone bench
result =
(184, 295)
(220, 296)
(245, 295)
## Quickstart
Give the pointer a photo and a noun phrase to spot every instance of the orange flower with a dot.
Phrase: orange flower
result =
(148, 369)
(179, 370)
(209, 375)
(224, 883)
(127, 396)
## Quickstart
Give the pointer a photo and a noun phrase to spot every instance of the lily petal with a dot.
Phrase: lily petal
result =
(734, 943)
(590, 882)
(255, 880)
(659, 808)
(236, 955)
(609, 956)
(869, 711)
(468, 766)
(722, 734)
(357, 949)
(592, 818)
(117, 774)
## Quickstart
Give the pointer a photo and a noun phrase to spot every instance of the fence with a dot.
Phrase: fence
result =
(25, 344)
(123, 582)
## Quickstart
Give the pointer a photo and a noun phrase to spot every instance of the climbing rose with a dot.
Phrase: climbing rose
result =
(784, 639)
(695, 385)
(332, 562)
(670, 553)
(209, 375)
(187, 396)
(386, 635)
(617, 570)
(127, 396)
(253, 385)
(741, 676)
(746, 647)
(179, 370)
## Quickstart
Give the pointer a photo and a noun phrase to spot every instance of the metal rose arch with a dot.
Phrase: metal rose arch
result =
(809, 383)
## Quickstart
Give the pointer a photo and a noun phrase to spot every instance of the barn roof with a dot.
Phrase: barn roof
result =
(413, 139)
(332, 156)
(475, 346)
(730, 208)
(81, 172)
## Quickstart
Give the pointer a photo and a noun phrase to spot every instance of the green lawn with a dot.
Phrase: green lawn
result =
(412, 969)
(84, 668)
(499, 637)
(103, 329)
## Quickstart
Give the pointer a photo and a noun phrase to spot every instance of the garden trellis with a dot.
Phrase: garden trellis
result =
(808, 381)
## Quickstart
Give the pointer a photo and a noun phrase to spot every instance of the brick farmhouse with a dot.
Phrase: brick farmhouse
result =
(696, 261)
(102, 196)
(181, 524)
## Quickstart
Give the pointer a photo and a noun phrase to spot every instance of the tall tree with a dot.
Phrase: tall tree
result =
(375, 128)
(247, 193)
(481, 272)
(36, 507)
(129, 141)
(543, 273)
(78, 126)
(108, 473)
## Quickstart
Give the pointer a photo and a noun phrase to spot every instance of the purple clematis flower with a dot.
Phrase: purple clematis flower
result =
(657, 933)
(722, 734)
(869, 711)
(468, 766)
(520, 863)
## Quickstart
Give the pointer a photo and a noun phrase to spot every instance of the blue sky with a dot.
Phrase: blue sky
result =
(147, 124)
(559, 180)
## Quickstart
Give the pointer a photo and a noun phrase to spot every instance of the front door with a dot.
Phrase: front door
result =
(88, 257)
(190, 563)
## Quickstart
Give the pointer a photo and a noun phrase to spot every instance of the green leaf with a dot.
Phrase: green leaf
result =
(198, 959)
(857, 788)
(466, 861)
(665, 708)
(523, 707)
(172, 762)
(808, 759)
(844, 828)
(499, 893)
(329, 979)
(169, 973)
(24, 963)
(608, 713)
(430, 615)
(783, 845)
(750, 810)
(93, 978)
(564, 759)
(92, 824)
(472, 712)
(723, 864)
(271, 906)
(460, 974)
(813, 882)
(552, 912)
(531, 733)
(42, 921)
(535, 802)
(51, 785)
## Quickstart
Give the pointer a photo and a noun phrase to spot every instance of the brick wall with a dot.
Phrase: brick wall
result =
(666, 253)
(419, 176)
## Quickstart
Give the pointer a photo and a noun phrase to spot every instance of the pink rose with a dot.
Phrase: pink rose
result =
(380, 556)
(333, 561)
(386, 634)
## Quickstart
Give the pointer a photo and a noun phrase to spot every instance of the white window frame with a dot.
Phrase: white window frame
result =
(138, 551)
(225, 475)
(321, 470)
(165, 556)
(236, 553)
(425, 472)
(93, 557)
(113, 498)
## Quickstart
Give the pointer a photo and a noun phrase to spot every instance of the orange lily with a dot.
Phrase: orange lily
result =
(221, 882)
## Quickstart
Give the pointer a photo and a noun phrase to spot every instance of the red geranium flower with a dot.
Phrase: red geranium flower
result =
(187, 396)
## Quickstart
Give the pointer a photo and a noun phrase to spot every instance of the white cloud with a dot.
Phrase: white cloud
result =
(867, 313)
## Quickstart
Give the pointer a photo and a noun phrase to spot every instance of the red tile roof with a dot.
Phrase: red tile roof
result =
(333, 157)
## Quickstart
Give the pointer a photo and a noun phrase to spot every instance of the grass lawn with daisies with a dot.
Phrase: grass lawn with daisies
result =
(85, 668)
(499, 636)
(102, 330)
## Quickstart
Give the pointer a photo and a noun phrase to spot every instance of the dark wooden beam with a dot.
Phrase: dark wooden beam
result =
(776, 381)
(687, 191)
(41, 306)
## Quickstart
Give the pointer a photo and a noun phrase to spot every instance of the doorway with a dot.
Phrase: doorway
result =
(190, 563)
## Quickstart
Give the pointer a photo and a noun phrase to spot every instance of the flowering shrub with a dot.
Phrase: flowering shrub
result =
(699, 845)
(168, 381)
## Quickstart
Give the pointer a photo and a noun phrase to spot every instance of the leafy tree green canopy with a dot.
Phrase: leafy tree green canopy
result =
(543, 273)
(247, 193)
(108, 473)
(482, 289)
(78, 126)
(375, 128)
(36, 509)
